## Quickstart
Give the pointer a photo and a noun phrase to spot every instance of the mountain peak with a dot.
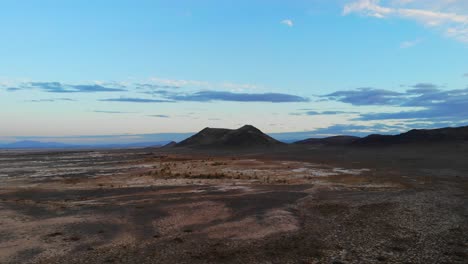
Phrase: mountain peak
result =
(246, 136)
(248, 127)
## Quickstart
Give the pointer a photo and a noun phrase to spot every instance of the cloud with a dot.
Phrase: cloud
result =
(358, 130)
(177, 83)
(207, 96)
(57, 87)
(314, 113)
(423, 88)
(336, 112)
(449, 16)
(135, 100)
(13, 89)
(151, 85)
(94, 89)
(287, 22)
(112, 112)
(163, 93)
(159, 92)
(51, 100)
(367, 96)
(160, 116)
(427, 102)
(465, 75)
(155, 86)
(409, 44)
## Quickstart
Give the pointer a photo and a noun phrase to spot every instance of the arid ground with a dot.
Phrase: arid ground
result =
(293, 204)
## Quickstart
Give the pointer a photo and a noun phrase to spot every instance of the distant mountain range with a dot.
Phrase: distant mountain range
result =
(336, 140)
(415, 136)
(449, 134)
(249, 136)
(29, 144)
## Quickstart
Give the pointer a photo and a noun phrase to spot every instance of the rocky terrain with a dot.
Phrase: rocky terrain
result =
(196, 203)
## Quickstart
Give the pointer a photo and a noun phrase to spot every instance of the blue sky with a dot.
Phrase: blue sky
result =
(319, 67)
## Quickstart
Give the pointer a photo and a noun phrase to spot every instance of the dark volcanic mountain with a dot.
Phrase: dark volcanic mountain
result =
(331, 141)
(244, 137)
(448, 134)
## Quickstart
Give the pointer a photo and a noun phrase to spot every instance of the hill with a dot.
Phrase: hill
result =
(331, 141)
(417, 136)
(244, 137)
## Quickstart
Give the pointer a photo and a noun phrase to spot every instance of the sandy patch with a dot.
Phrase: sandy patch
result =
(184, 215)
(274, 221)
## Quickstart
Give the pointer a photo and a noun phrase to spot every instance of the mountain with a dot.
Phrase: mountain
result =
(448, 134)
(244, 137)
(330, 141)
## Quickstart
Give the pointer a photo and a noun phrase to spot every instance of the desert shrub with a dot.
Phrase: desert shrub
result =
(217, 163)
(209, 176)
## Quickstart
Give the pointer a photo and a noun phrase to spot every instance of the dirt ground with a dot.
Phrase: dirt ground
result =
(294, 205)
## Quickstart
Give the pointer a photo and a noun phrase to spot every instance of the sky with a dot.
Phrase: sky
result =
(85, 71)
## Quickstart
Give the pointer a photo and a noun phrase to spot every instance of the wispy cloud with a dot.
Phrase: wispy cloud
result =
(423, 88)
(357, 130)
(207, 96)
(112, 112)
(316, 113)
(423, 102)
(135, 100)
(13, 89)
(160, 116)
(57, 87)
(155, 86)
(51, 100)
(435, 14)
(177, 83)
(410, 43)
(287, 22)
(367, 96)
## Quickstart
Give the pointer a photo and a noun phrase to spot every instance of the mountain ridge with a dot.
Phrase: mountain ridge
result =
(334, 140)
(447, 134)
(243, 137)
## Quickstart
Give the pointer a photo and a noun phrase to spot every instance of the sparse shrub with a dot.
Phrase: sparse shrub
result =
(217, 163)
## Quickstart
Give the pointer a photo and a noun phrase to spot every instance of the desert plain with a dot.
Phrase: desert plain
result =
(285, 204)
